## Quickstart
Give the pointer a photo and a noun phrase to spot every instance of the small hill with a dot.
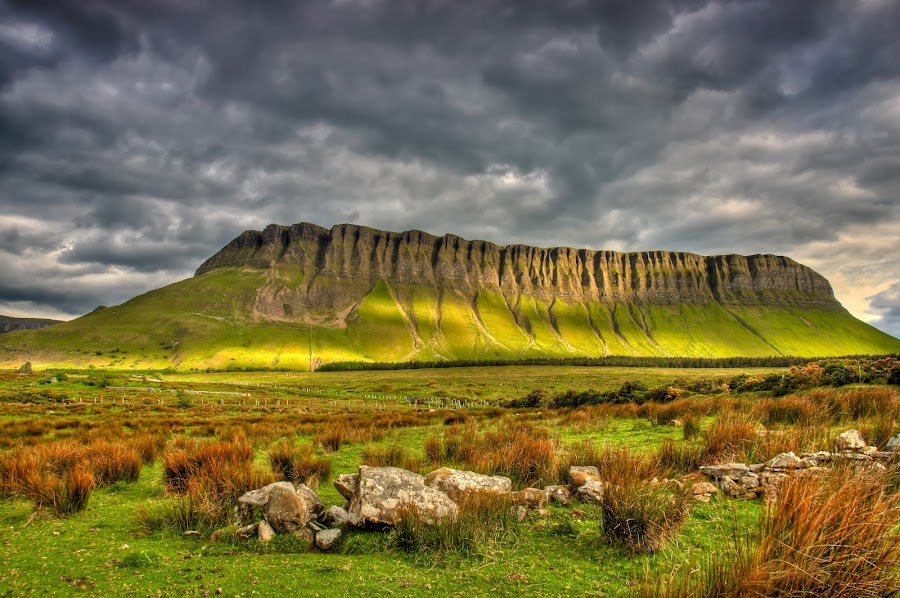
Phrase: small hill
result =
(300, 296)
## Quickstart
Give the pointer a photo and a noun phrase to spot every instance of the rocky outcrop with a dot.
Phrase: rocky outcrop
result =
(349, 252)
(8, 324)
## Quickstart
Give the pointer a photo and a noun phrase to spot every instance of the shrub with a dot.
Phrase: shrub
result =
(434, 451)
(642, 517)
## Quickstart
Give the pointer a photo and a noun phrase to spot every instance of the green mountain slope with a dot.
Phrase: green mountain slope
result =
(273, 300)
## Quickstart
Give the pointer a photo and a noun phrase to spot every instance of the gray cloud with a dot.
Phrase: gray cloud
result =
(138, 138)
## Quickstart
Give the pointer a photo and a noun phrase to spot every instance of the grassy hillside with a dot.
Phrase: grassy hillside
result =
(211, 321)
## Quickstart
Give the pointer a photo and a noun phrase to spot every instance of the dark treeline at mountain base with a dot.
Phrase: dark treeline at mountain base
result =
(621, 361)
(825, 372)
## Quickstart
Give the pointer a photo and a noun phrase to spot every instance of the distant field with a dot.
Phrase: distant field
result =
(483, 383)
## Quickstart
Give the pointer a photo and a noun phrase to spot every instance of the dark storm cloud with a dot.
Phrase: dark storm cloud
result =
(136, 138)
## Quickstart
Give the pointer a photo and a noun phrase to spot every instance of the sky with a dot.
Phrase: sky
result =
(138, 137)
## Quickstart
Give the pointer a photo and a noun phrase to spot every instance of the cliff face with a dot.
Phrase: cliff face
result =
(349, 253)
(8, 324)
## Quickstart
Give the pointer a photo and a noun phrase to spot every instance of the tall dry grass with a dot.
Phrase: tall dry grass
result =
(834, 536)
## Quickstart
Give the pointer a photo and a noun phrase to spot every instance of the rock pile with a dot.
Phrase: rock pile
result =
(738, 480)
(378, 497)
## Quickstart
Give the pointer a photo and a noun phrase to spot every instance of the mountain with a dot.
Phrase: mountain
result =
(9, 324)
(299, 296)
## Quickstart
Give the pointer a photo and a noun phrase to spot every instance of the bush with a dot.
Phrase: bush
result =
(681, 457)
(729, 435)
(642, 517)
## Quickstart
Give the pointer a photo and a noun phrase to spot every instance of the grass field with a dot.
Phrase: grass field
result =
(109, 548)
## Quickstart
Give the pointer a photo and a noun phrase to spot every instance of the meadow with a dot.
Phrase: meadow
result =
(103, 472)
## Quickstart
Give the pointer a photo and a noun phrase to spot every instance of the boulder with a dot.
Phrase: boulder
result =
(579, 474)
(851, 441)
(285, 511)
(346, 484)
(335, 517)
(264, 532)
(893, 443)
(259, 498)
(530, 498)
(784, 461)
(312, 500)
(328, 538)
(725, 470)
(702, 491)
(25, 368)
(383, 494)
(459, 485)
(591, 492)
(560, 494)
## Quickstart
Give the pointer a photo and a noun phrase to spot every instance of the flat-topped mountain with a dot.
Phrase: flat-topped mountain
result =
(9, 324)
(298, 296)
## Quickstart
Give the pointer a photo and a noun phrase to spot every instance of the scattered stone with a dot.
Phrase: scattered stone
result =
(384, 493)
(851, 440)
(785, 461)
(592, 492)
(327, 538)
(544, 512)
(531, 498)
(187, 533)
(893, 443)
(335, 517)
(702, 491)
(459, 485)
(560, 494)
(246, 532)
(285, 511)
(264, 532)
(757, 467)
(346, 484)
(579, 474)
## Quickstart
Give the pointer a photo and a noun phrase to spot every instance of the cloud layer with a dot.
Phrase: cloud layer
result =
(137, 138)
